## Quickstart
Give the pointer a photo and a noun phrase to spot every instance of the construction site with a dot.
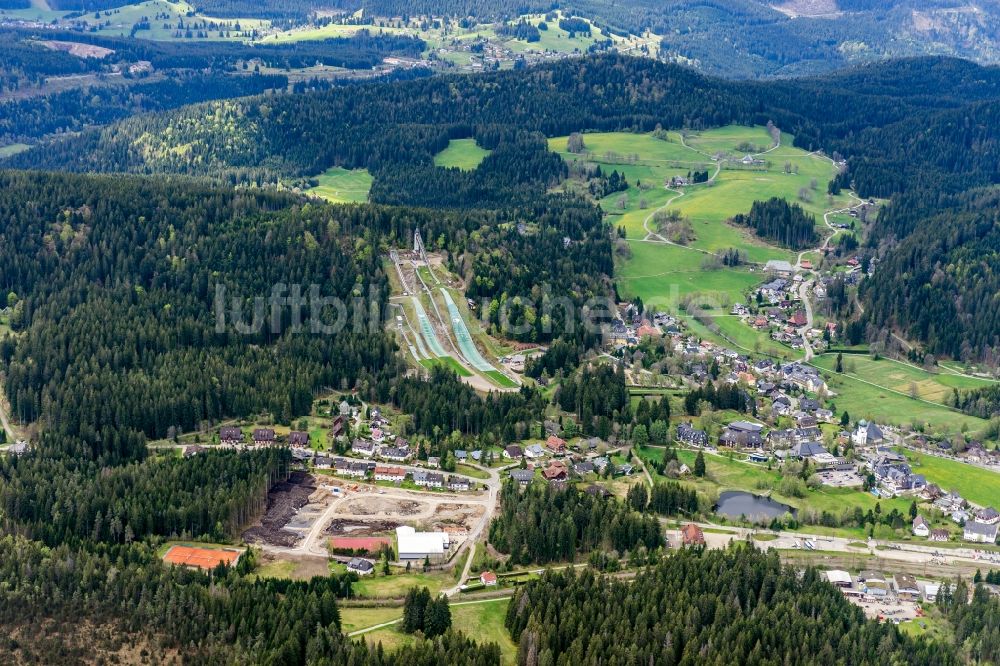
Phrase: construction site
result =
(434, 327)
(304, 512)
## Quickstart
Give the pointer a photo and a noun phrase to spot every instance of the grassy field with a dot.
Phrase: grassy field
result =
(975, 484)
(663, 275)
(869, 400)
(500, 379)
(340, 185)
(13, 149)
(354, 618)
(482, 621)
(933, 626)
(474, 472)
(462, 153)
(396, 585)
(902, 377)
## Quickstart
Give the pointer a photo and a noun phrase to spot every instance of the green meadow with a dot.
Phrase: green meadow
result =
(340, 185)
(664, 275)
(903, 377)
(464, 154)
(882, 402)
(978, 485)
(482, 621)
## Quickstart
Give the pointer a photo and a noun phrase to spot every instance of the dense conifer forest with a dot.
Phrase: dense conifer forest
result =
(544, 524)
(738, 606)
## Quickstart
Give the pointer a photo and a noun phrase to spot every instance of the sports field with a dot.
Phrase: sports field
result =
(201, 557)
(464, 154)
(339, 185)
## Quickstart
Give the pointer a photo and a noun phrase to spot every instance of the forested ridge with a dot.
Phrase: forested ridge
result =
(179, 73)
(865, 115)
(940, 282)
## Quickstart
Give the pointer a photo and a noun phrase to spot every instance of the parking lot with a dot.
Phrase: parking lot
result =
(841, 479)
(889, 609)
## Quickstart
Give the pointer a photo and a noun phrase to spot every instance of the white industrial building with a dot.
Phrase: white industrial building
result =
(414, 545)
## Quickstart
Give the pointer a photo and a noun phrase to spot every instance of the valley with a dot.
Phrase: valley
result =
(393, 335)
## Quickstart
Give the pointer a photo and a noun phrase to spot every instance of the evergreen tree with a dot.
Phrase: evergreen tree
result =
(699, 464)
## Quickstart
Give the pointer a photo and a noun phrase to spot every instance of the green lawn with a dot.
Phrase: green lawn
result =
(663, 275)
(483, 622)
(500, 379)
(354, 618)
(469, 470)
(341, 185)
(462, 153)
(933, 626)
(276, 569)
(729, 138)
(975, 484)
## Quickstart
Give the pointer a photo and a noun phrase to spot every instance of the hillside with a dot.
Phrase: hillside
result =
(737, 38)
(396, 130)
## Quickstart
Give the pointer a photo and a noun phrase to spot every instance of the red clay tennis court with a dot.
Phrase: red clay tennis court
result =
(203, 558)
(369, 544)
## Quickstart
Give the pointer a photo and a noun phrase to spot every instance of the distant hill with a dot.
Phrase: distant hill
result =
(736, 38)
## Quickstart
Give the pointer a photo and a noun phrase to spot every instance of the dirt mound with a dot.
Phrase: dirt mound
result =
(369, 506)
(283, 502)
(359, 528)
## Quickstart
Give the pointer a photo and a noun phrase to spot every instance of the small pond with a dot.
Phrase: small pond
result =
(735, 503)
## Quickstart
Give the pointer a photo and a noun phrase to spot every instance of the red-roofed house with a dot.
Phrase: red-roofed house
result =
(555, 472)
(556, 444)
(488, 578)
(384, 473)
(646, 329)
(692, 535)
